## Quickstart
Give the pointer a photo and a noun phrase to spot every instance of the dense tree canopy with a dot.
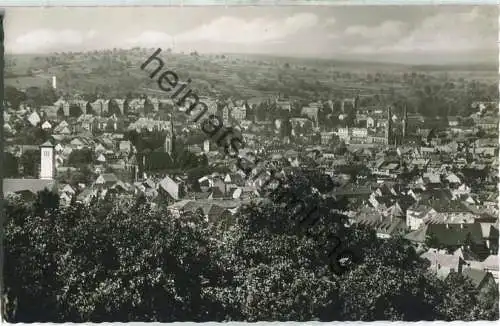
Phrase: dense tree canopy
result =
(14, 96)
(10, 165)
(125, 261)
(30, 161)
(80, 157)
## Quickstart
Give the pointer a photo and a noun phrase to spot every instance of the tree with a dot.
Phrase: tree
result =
(29, 161)
(467, 122)
(283, 258)
(10, 165)
(14, 96)
(80, 157)
(75, 111)
(60, 113)
(487, 308)
(41, 95)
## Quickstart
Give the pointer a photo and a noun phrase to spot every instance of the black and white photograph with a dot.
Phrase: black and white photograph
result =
(237, 163)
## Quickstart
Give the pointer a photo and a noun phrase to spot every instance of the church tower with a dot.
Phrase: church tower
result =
(405, 123)
(170, 138)
(47, 161)
(168, 144)
(388, 127)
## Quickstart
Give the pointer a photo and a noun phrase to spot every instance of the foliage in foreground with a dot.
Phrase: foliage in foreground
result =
(117, 263)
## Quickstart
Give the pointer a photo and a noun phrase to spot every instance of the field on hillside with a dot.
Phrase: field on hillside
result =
(116, 73)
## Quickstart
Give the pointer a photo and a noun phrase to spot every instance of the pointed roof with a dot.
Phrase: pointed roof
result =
(47, 144)
(477, 276)
(170, 186)
(34, 118)
(101, 158)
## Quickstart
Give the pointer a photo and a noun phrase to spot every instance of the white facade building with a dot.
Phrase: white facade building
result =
(47, 161)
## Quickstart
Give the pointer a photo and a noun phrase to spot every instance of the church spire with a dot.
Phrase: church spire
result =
(388, 127)
(170, 138)
(405, 122)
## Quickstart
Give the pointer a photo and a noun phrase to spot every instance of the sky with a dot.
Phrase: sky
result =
(408, 34)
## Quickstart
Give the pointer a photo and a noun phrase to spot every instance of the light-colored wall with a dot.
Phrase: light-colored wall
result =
(47, 164)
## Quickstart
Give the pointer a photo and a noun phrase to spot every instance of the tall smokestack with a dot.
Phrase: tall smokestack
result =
(54, 85)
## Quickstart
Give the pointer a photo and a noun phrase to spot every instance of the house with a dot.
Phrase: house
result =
(99, 149)
(34, 119)
(65, 199)
(490, 235)
(449, 211)
(106, 180)
(46, 125)
(82, 104)
(76, 143)
(450, 237)
(67, 189)
(453, 121)
(487, 123)
(100, 106)
(61, 125)
(86, 196)
(480, 278)
(86, 122)
(490, 264)
(101, 159)
(431, 179)
(239, 113)
(59, 148)
(154, 102)
(442, 263)
(122, 187)
(385, 226)
(219, 215)
(283, 105)
(121, 105)
(311, 112)
(327, 137)
(64, 131)
(119, 165)
(136, 105)
(169, 188)
(453, 179)
(32, 186)
(62, 104)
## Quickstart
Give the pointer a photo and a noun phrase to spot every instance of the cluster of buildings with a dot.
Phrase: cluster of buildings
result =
(436, 187)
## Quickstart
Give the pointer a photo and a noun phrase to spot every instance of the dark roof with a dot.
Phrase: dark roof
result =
(198, 195)
(109, 177)
(216, 212)
(454, 234)
(47, 144)
(216, 192)
(352, 190)
(385, 225)
(475, 275)
(446, 206)
(33, 185)
(85, 192)
(433, 195)
(418, 235)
